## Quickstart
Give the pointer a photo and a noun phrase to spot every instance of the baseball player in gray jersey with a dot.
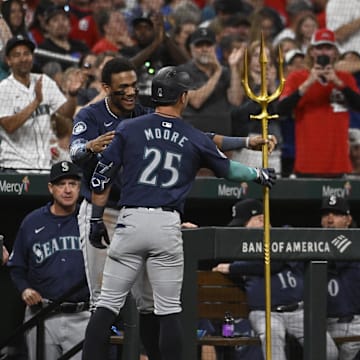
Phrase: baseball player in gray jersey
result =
(159, 156)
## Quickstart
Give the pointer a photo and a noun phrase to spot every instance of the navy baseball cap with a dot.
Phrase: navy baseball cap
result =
(16, 41)
(335, 204)
(230, 6)
(244, 210)
(202, 34)
(54, 10)
(141, 19)
(64, 169)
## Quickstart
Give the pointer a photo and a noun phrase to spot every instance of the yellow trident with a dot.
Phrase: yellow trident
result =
(264, 99)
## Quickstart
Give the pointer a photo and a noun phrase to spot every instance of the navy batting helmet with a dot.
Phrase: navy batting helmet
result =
(168, 84)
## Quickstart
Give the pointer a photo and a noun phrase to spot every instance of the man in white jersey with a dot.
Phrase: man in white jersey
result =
(27, 102)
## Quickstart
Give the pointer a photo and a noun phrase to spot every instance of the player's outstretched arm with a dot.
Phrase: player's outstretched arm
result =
(262, 176)
(255, 142)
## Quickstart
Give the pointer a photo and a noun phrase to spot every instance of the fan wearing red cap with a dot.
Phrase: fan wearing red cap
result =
(320, 98)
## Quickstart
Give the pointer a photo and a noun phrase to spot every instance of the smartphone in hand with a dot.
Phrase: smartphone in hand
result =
(323, 60)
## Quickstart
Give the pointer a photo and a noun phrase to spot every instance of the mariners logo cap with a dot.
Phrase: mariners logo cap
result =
(64, 169)
(18, 40)
(323, 36)
(244, 210)
(335, 204)
(204, 35)
(142, 19)
(54, 10)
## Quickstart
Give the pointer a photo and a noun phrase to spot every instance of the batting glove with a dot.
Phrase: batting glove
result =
(265, 177)
(99, 236)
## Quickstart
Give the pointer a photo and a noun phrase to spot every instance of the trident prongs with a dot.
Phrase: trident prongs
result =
(263, 98)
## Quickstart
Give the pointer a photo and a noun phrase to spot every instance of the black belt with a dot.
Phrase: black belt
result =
(65, 307)
(163, 208)
(68, 308)
(345, 319)
(288, 308)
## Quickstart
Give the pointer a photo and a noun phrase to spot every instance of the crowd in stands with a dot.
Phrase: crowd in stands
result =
(74, 38)
(52, 53)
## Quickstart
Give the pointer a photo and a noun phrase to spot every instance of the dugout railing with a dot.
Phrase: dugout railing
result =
(294, 202)
(129, 348)
(38, 322)
(313, 246)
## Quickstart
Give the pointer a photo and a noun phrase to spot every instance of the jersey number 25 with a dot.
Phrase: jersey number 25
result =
(160, 161)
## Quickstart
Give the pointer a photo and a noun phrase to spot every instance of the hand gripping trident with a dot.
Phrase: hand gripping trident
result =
(264, 99)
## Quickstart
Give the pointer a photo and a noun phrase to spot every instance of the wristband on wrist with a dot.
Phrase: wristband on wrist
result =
(233, 143)
(97, 211)
(247, 142)
(79, 151)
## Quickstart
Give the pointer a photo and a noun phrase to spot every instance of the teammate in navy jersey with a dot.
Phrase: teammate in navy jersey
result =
(343, 306)
(47, 261)
(159, 156)
(287, 314)
(93, 131)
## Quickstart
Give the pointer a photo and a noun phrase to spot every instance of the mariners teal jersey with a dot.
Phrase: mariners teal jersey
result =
(91, 122)
(47, 256)
(287, 283)
(160, 157)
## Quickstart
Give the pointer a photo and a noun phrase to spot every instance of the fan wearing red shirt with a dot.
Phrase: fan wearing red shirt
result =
(320, 98)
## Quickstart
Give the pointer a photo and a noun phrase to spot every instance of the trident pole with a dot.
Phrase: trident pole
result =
(263, 99)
